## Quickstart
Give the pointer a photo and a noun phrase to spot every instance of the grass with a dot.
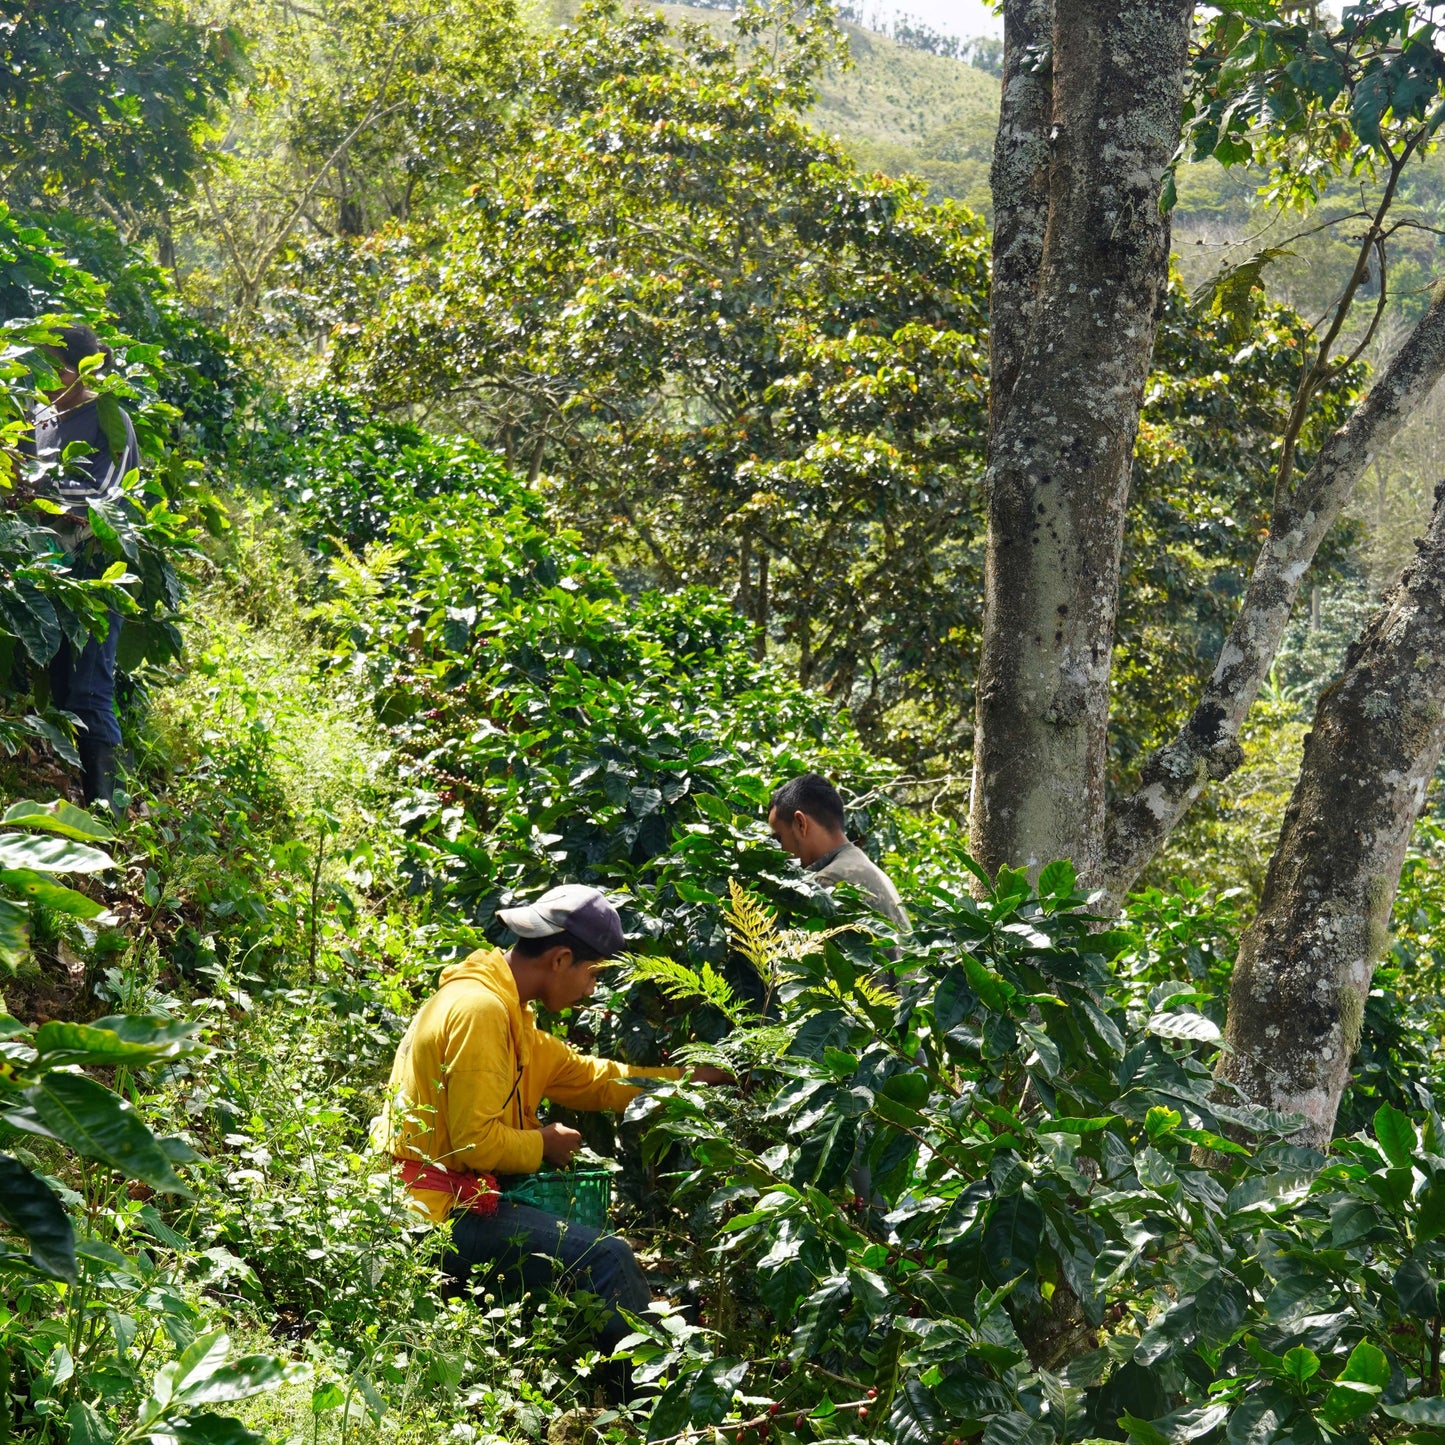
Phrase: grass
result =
(303, 992)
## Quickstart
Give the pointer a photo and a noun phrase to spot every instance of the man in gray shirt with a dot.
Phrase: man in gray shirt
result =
(806, 817)
(90, 476)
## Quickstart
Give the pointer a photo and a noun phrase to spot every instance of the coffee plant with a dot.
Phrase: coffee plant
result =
(993, 1188)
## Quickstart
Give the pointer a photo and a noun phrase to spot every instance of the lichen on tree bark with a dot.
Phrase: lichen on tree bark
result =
(1020, 184)
(1089, 123)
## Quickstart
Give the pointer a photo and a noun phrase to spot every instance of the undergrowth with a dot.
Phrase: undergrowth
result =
(378, 740)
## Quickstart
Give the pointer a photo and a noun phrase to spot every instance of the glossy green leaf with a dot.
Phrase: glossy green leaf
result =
(1417, 1291)
(1220, 1309)
(14, 931)
(30, 1208)
(60, 817)
(1011, 1240)
(1216, 1143)
(1259, 1417)
(1157, 1172)
(51, 855)
(1076, 1126)
(30, 615)
(1430, 1210)
(97, 1123)
(1358, 1387)
(205, 1354)
(211, 1430)
(167, 1036)
(913, 1417)
(1160, 1121)
(1183, 1025)
(1177, 1427)
(111, 525)
(328, 1395)
(910, 1088)
(57, 736)
(1300, 1365)
(1168, 194)
(37, 888)
(86, 1425)
(1016, 1427)
(995, 992)
(1396, 1136)
(238, 1380)
(697, 1400)
(63, 1043)
(872, 1292)
(1056, 880)
(1427, 1411)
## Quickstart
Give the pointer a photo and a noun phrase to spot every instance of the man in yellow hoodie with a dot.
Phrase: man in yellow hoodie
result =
(467, 1082)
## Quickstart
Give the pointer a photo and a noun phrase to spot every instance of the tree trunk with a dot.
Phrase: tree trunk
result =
(1304, 968)
(1020, 184)
(1060, 452)
(1208, 745)
(166, 246)
(761, 603)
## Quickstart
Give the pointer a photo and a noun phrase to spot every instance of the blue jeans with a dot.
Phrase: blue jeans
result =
(540, 1250)
(85, 685)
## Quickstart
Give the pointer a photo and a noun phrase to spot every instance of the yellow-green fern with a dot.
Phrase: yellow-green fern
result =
(754, 930)
(681, 983)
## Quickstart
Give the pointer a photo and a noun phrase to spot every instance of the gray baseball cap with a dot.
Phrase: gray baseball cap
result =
(581, 911)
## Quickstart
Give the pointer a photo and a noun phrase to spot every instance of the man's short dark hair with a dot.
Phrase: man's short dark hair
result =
(581, 952)
(76, 343)
(813, 794)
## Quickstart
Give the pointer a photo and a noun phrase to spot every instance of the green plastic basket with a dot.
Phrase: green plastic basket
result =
(579, 1196)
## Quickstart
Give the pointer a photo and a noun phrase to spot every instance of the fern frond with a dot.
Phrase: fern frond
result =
(864, 988)
(741, 1051)
(681, 983)
(765, 1043)
(754, 929)
(800, 943)
(690, 1055)
(356, 580)
(874, 993)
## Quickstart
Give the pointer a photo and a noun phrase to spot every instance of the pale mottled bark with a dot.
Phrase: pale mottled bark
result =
(1060, 453)
(1207, 747)
(1020, 185)
(1304, 967)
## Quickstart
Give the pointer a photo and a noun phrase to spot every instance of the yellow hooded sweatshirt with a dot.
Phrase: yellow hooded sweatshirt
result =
(471, 1071)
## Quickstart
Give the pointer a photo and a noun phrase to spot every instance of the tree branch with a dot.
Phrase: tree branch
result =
(1318, 373)
(1297, 999)
(1207, 747)
(227, 235)
(1061, 441)
(251, 282)
(284, 234)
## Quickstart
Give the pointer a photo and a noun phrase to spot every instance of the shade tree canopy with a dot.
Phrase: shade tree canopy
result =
(736, 358)
(109, 105)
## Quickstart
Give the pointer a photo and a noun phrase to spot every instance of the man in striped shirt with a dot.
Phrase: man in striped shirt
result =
(84, 683)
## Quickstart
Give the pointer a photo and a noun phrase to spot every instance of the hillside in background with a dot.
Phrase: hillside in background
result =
(908, 112)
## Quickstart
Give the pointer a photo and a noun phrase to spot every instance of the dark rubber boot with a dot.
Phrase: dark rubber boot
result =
(97, 772)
